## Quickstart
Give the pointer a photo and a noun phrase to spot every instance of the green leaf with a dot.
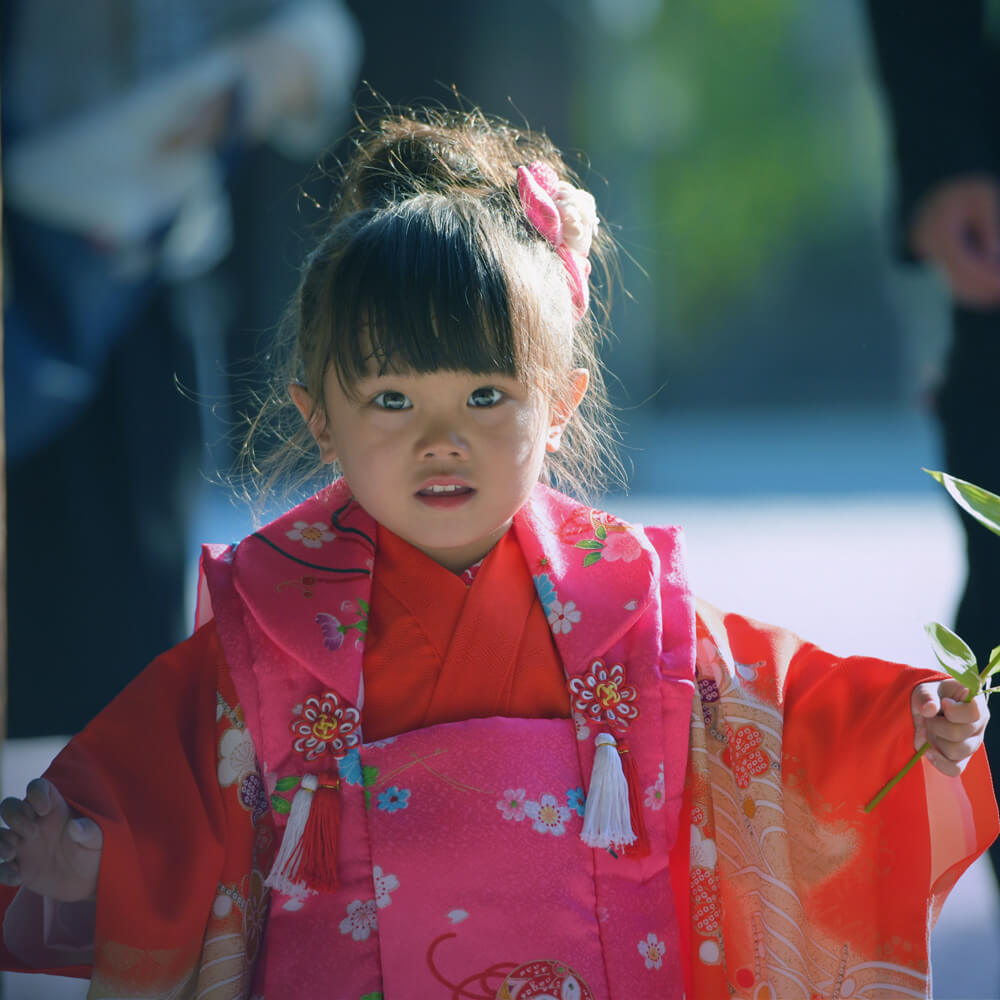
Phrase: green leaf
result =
(993, 666)
(974, 500)
(280, 805)
(369, 775)
(368, 799)
(954, 655)
(285, 783)
(601, 532)
(591, 557)
(372, 996)
(589, 543)
(362, 627)
(363, 604)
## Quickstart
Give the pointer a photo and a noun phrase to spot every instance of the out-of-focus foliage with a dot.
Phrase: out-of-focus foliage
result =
(748, 129)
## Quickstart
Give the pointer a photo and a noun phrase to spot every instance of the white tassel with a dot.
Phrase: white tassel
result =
(606, 821)
(286, 864)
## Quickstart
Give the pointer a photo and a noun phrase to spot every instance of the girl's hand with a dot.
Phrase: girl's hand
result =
(47, 848)
(953, 727)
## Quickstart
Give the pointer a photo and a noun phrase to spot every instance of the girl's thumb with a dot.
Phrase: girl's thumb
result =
(85, 833)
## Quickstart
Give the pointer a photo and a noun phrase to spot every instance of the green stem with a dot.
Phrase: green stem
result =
(892, 782)
(888, 786)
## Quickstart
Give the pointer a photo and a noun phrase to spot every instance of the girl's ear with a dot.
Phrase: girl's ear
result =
(316, 421)
(563, 409)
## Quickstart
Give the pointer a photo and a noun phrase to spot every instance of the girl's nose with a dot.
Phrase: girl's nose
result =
(442, 441)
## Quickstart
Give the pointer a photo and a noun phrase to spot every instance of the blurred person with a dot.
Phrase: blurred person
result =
(445, 731)
(125, 125)
(939, 65)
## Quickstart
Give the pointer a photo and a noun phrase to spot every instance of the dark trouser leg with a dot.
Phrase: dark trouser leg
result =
(97, 539)
(969, 411)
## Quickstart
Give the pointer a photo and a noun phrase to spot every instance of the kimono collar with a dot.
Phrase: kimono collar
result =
(595, 575)
(305, 580)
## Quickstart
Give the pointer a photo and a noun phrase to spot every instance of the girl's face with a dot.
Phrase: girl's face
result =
(443, 459)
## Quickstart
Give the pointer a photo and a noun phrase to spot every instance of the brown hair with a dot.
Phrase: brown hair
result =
(430, 263)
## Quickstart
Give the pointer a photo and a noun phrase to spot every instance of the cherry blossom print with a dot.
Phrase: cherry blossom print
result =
(743, 754)
(582, 729)
(562, 617)
(312, 536)
(511, 804)
(612, 542)
(620, 544)
(394, 799)
(326, 726)
(349, 767)
(576, 800)
(652, 950)
(583, 522)
(656, 793)
(548, 815)
(546, 590)
(384, 885)
(361, 919)
(237, 757)
(602, 696)
(298, 893)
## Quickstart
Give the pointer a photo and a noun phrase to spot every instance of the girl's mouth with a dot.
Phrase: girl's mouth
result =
(445, 496)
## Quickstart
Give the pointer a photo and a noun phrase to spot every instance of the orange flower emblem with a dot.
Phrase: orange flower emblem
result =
(326, 726)
(603, 696)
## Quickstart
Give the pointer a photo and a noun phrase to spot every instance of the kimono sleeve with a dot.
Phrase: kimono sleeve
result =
(791, 882)
(169, 773)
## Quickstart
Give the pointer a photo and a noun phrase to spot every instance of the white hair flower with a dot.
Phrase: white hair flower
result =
(578, 212)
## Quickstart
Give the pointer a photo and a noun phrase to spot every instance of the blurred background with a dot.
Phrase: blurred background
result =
(773, 366)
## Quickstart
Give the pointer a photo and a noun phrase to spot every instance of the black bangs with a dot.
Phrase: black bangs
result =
(421, 286)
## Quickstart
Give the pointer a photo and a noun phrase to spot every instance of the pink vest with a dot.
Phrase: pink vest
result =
(462, 871)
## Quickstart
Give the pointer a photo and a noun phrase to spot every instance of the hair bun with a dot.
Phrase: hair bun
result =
(443, 152)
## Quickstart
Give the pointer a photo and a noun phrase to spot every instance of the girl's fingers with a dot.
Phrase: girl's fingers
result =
(9, 842)
(942, 728)
(85, 833)
(19, 817)
(955, 750)
(39, 796)
(925, 702)
(9, 874)
(971, 712)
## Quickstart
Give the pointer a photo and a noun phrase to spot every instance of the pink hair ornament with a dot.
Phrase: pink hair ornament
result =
(567, 217)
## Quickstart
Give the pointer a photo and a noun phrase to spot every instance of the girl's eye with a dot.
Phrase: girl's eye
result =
(391, 401)
(487, 395)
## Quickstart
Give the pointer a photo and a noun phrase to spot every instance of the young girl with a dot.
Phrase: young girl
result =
(445, 732)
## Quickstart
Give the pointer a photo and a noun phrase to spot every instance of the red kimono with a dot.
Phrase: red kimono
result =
(782, 736)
